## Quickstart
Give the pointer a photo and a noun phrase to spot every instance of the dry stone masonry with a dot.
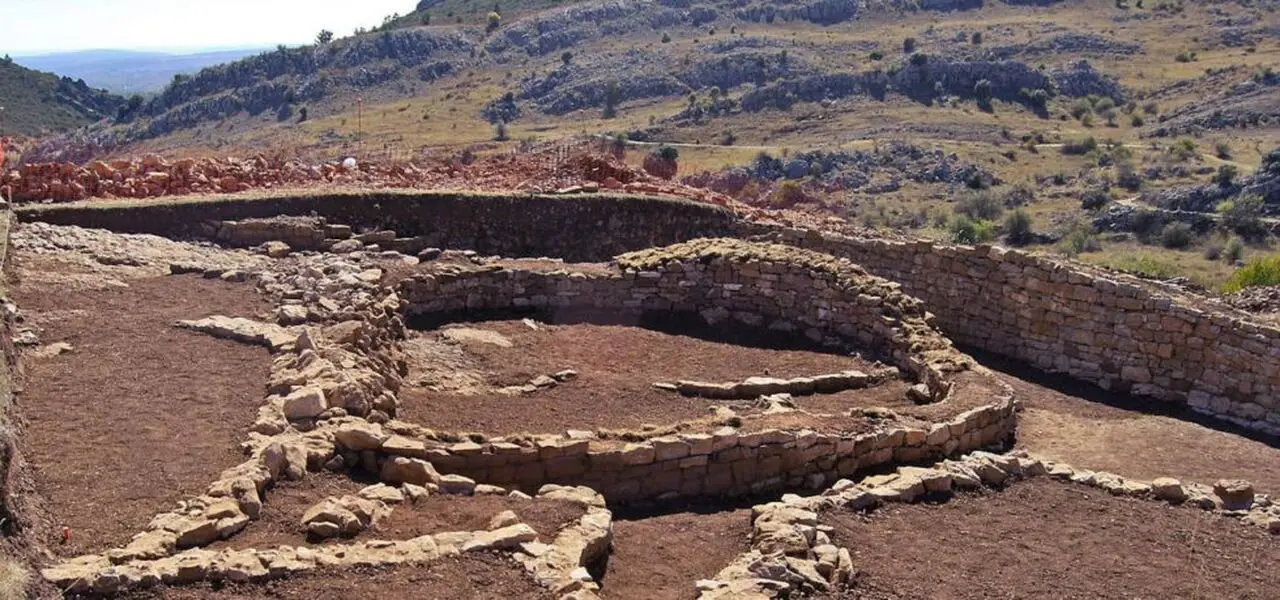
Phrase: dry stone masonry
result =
(345, 292)
(1107, 329)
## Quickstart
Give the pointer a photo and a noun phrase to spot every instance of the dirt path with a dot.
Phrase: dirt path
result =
(1046, 539)
(139, 414)
(1089, 428)
(663, 557)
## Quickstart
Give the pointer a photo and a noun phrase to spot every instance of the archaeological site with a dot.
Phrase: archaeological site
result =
(602, 395)
(640, 300)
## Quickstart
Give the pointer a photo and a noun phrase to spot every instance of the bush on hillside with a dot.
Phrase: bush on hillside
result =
(1176, 235)
(964, 230)
(1017, 228)
(1259, 272)
(1243, 216)
(1080, 147)
(981, 206)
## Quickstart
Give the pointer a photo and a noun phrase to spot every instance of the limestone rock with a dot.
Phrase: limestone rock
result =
(1235, 494)
(244, 330)
(505, 518)
(456, 485)
(399, 469)
(359, 436)
(1168, 489)
(305, 403)
(382, 493)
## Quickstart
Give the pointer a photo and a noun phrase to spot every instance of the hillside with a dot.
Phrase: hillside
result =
(40, 103)
(889, 113)
(128, 72)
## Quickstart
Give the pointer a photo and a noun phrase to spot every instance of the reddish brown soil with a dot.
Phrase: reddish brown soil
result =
(1045, 539)
(476, 576)
(617, 367)
(890, 394)
(140, 414)
(663, 557)
(281, 525)
(281, 520)
(1123, 438)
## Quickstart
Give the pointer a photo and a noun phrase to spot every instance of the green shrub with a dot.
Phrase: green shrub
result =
(667, 152)
(1080, 108)
(1136, 119)
(1183, 150)
(976, 38)
(1094, 198)
(980, 206)
(1080, 147)
(666, 38)
(1213, 251)
(1078, 238)
(1243, 215)
(1222, 150)
(1017, 228)
(1234, 252)
(1226, 175)
(909, 45)
(968, 231)
(1176, 235)
(500, 132)
(919, 59)
(1259, 271)
(877, 55)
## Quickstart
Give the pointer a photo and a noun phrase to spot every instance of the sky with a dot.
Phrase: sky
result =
(42, 26)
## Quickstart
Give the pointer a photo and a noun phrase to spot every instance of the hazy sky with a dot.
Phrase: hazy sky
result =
(35, 26)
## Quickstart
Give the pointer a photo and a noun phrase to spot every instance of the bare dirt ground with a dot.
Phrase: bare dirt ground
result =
(282, 514)
(140, 413)
(470, 577)
(1089, 428)
(1045, 539)
(616, 366)
(662, 557)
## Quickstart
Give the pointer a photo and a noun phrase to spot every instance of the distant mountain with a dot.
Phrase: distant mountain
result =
(127, 71)
(36, 103)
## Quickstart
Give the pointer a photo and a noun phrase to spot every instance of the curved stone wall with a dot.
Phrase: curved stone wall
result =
(1106, 329)
(583, 227)
(1110, 330)
(769, 286)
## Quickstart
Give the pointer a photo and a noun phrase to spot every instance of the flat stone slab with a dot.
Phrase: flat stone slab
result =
(243, 330)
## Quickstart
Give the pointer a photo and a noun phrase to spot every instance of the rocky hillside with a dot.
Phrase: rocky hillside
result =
(41, 103)
(615, 51)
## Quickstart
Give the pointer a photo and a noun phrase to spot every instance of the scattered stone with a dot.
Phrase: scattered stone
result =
(1235, 494)
(1168, 489)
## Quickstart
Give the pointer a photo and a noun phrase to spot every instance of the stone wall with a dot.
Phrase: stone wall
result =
(764, 286)
(723, 463)
(1110, 330)
(584, 227)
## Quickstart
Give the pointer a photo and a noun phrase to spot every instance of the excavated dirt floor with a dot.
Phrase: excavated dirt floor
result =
(1046, 539)
(139, 414)
(281, 524)
(1089, 428)
(470, 577)
(662, 557)
(616, 368)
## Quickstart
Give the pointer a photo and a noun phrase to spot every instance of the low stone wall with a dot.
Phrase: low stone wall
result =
(765, 286)
(1109, 330)
(583, 227)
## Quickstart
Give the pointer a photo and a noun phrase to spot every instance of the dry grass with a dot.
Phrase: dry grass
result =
(14, 580)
